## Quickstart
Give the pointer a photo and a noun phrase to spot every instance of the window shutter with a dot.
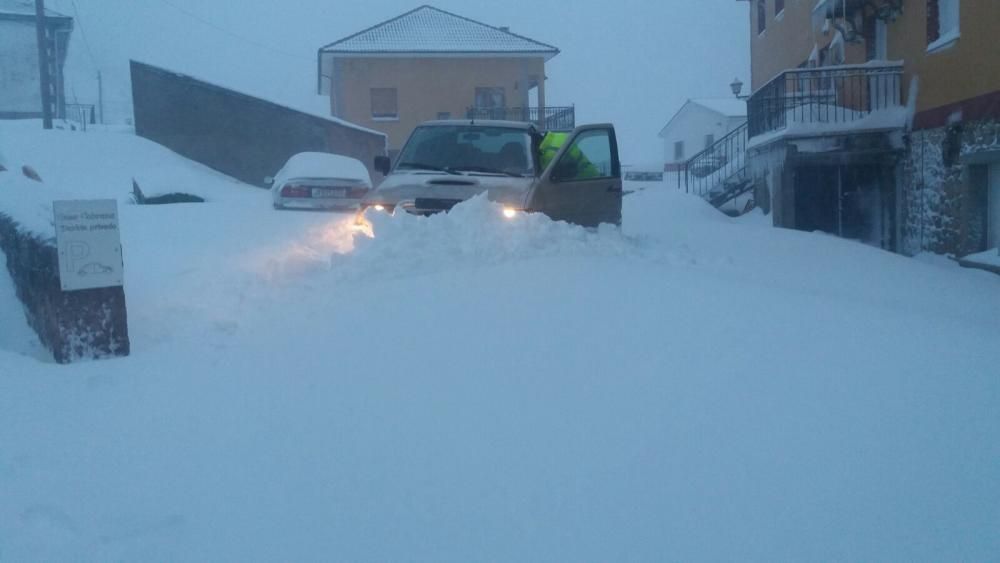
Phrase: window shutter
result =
(933, 20)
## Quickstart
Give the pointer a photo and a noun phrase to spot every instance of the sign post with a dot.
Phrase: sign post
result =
(89, 244)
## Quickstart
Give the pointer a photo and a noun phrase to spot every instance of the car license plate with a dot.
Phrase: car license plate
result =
(329, 192)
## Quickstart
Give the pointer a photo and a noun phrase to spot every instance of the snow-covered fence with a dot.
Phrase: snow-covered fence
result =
(73, 325)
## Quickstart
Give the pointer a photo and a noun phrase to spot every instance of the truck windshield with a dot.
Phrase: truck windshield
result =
(470, 149)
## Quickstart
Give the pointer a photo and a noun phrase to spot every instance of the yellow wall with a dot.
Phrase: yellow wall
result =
(426, 87)
(970, 68)
(788, 40)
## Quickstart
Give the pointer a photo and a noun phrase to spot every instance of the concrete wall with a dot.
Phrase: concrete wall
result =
(245, 137)
(427, 87)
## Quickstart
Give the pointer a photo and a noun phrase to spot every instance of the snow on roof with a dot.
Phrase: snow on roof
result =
(323, 165)
(729, 107)
(25, 8)
(430, 30)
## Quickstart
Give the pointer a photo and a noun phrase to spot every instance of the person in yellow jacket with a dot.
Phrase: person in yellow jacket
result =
(581, 167)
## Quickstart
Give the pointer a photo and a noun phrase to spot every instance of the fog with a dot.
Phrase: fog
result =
(632, 62)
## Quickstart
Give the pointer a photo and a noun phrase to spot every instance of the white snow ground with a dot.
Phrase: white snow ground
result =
(464, 388)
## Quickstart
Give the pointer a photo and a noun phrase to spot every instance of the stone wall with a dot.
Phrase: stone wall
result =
(943, 188)
(73, 325)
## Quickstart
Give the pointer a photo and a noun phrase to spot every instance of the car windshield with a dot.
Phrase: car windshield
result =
(468, 149)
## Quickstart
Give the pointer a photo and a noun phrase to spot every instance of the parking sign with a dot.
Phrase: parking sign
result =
(89, 244)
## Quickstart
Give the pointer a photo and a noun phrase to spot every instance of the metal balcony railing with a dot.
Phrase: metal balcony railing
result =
(546, 118)
(836, 95)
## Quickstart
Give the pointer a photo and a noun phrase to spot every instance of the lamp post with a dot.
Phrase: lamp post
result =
(737, 86)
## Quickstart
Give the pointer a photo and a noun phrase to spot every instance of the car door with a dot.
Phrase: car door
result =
(583, 183)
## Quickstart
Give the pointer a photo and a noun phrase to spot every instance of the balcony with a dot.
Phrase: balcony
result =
(546, 118)
(827, 100)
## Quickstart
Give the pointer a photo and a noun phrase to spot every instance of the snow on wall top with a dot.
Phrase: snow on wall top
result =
(24, 8)
(729, 107)
(430, 30)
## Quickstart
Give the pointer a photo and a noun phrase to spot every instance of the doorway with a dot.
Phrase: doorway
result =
(850, 201)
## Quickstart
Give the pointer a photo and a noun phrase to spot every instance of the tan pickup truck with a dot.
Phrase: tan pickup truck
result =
(574, 177)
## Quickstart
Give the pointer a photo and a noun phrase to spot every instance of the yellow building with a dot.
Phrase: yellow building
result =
(878, 120)
(430, 64)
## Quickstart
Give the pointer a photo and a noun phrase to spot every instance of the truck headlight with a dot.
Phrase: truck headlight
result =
(509, 212)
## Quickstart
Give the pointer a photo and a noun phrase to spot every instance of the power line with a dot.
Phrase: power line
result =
(194, 16)
(83, 34)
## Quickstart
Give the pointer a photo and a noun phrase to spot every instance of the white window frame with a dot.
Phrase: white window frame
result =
(949, 25)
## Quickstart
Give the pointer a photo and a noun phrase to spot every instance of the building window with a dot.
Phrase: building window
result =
(444, 115)
(942, 23)
(384, 103)
(678, 151)
(779, 7)
(709, 140)
(491, 98)
(761, 16)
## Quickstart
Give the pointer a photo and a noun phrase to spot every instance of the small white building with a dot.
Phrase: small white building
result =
(697, 125)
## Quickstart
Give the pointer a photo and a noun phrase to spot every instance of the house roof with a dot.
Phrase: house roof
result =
(729, 107)
(25, 8)
(726, 107)
(430, 30)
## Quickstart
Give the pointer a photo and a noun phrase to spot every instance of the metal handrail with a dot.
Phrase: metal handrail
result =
(716, 164)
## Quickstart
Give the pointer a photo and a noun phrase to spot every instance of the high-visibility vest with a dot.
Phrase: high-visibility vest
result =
(550, 146)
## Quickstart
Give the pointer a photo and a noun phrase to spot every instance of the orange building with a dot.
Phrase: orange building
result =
(431, 64)
(878, 120)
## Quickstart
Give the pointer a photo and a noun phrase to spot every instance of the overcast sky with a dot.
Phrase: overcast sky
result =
(630, 62)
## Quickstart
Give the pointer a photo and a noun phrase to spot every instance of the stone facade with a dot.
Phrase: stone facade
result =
(943, 188)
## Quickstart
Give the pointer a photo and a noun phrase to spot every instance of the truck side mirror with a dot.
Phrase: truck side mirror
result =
(383, 164)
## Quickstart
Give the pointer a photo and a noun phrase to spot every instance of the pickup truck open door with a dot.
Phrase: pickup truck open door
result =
(583, 182)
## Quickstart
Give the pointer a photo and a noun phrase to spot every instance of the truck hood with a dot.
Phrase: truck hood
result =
(408, 186)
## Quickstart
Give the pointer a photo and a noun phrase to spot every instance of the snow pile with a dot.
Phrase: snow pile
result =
(474, 233)
(464, 387)
(97, 164)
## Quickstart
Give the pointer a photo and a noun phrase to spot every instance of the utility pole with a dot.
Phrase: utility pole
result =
(100, 96)
(43, 64)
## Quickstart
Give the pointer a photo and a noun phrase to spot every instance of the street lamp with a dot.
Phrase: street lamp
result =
(737, 87)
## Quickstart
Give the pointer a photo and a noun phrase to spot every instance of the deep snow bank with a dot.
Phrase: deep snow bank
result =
(465, 388)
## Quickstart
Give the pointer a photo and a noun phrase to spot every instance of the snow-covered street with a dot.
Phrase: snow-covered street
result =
(470, 388)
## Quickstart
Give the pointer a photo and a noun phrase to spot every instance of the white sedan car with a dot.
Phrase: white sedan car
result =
(314, 180)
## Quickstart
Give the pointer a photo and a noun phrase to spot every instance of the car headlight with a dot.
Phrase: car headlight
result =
(509, 212)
